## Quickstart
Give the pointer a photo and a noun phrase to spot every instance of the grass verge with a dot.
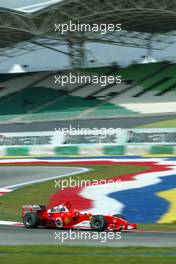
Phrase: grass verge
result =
(162, 124)
(79, 255)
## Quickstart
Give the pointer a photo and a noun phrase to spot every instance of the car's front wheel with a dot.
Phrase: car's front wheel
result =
(31, 220)
(98, 223)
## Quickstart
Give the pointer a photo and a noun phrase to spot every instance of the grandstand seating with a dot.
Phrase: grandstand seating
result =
(146, 88)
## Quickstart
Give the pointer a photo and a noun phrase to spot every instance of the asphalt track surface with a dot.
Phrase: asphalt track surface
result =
(123, 122)
(18, 235)
(18, 176)
(11, 235)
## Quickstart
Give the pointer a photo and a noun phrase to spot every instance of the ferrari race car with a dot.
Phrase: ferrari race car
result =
(63, 216)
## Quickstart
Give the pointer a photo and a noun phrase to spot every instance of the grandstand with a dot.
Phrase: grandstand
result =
(145, 89)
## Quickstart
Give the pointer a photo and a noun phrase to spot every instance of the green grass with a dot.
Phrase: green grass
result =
(162, 124)
(86, 255)
(165, 227)
(10, 205)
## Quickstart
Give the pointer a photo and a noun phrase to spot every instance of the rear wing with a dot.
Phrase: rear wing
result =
(32, 208)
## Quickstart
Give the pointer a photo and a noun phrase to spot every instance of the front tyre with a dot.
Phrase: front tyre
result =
(98, 223)
(31, 220)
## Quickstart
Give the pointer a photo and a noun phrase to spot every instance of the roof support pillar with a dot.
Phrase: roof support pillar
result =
(77, 52)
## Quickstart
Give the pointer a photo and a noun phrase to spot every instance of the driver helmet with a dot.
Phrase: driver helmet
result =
(61, 208)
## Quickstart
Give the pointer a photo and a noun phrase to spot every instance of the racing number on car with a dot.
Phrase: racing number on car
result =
(59, 222)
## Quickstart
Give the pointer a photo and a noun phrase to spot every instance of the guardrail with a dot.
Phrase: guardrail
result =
(84, 150)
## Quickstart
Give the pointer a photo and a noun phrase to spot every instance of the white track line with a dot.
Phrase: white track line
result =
(81, 170)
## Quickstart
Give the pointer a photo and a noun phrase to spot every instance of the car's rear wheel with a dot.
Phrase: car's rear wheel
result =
(98, 223)
(120, 216)
(31, 220)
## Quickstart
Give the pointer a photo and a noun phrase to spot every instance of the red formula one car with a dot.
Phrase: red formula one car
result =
(63, 216)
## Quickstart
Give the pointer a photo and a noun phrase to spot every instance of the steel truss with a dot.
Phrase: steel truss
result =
(142, 20)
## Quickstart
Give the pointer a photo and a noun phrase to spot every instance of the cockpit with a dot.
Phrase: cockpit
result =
(59, 208)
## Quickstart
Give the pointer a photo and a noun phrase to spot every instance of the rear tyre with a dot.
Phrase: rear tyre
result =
(98, 223)
(31, 220)
(120, 216)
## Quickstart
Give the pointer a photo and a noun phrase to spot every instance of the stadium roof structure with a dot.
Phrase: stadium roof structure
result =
(145, 23)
